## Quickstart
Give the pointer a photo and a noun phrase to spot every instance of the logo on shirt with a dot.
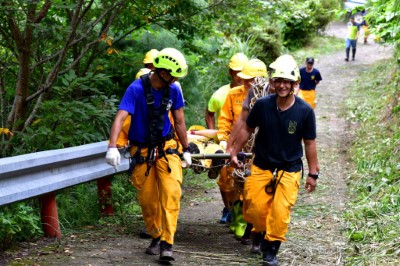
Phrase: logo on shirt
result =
(292, 127)
(312, 77)
(238, 101)
(169, 104)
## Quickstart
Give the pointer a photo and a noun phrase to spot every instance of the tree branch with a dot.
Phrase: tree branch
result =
(32, 115)
(84, 36)
(43, 12)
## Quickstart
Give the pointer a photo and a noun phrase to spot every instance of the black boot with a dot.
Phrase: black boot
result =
(166, 253)
(257, 238)
(154, 247)
(246, 238)
(354, 53)
(269, 250)
(347, 54)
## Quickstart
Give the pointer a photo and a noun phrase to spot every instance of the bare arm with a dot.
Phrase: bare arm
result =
(180, 126)
(117, 127)
(210, 119)
(241, 140)
(237, 127)
(310, 147)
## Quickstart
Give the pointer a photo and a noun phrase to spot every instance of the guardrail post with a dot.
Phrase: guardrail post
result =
(49, 214)
(105, 197)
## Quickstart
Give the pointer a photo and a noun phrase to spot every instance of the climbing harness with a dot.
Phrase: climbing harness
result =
(155, 142)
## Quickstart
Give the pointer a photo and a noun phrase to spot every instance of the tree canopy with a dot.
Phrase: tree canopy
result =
(65, 64)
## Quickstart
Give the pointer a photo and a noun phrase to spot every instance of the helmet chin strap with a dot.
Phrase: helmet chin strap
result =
(291, 89)
(166, 82)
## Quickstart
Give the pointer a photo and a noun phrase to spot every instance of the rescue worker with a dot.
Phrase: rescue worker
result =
(216, 101)
(213, 111)
(141, 72)
(247, 106)
(149, 58)
(148, 63)
(157, 175)
(283, 121)
(310, 78)
(249, 101)
(229, 114)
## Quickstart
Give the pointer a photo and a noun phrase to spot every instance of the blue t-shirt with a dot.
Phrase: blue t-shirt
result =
(278, 142)
(134, 102)
(309, 80)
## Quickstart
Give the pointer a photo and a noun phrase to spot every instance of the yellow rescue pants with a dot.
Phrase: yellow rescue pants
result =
(310, 96)
(226, 184)
(159, 193)
(270, 213)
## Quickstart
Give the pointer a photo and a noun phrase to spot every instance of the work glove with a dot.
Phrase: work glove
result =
(113, 157)
(188, 158)
(223, 144)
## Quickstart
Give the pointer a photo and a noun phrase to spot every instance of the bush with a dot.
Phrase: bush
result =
(18, 222)
(302, 20)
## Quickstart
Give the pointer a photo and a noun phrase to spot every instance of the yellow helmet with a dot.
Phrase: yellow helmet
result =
(150, 55)
(253, 68)
(285, 67)
(173, 61)
(238, 61)
(142, 71)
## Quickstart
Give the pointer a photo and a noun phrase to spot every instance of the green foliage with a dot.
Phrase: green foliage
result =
(374, 214)
(76, 103)
(18, 222)
(78, 206)
(384, 19)
(301, 20)
(77, 113)
(126, 206)
(265, 42)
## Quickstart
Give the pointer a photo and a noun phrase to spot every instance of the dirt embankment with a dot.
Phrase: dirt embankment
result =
(316, 235)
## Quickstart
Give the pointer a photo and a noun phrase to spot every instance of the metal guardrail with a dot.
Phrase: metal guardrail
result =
(35, 174)
(41, 174)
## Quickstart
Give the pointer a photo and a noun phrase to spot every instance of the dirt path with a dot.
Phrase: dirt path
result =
(316, 235)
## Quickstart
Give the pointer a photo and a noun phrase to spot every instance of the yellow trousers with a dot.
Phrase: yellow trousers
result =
(270, 213)
(310, 96)
(159, 193)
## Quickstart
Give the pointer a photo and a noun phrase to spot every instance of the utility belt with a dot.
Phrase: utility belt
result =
(155, 150)
(270, 188)
(170, 135)
(288, 167)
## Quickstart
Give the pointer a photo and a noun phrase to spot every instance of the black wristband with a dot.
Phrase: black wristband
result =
(315, 176)
(187, 149)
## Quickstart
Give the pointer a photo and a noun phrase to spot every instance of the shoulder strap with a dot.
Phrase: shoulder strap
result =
(156, 115)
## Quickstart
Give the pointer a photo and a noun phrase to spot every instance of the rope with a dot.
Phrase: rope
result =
(260, 89)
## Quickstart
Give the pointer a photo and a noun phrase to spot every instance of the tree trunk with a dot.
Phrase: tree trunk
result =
(22, 89)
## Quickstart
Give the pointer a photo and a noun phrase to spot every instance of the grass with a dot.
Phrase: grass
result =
(320, 45)
(373, 216)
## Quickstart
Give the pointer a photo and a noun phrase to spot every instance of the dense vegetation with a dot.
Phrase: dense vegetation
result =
(64, 91)
(65, 65)
(93, 49)
(373, 214)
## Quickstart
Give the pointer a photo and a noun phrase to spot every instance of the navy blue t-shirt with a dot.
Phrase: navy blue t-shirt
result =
(134, 102)
(279, 140)
(308, 80)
